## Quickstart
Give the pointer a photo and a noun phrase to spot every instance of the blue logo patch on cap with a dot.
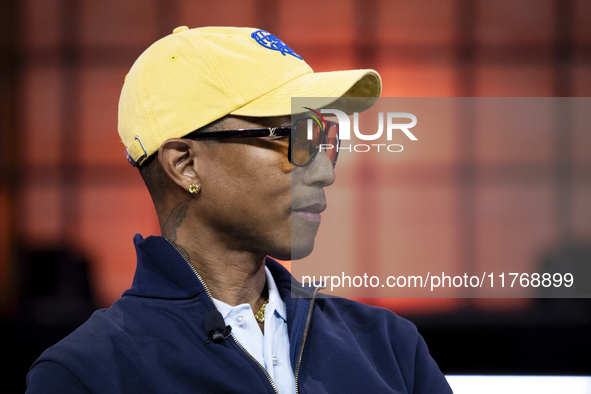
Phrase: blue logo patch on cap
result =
(269, 41)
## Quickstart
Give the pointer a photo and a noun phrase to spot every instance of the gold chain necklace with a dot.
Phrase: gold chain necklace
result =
(260, 315)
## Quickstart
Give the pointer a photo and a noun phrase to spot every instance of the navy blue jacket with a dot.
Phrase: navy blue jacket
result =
(152, 340)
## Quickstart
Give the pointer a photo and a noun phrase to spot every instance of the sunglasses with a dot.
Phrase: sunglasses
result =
(306, 138)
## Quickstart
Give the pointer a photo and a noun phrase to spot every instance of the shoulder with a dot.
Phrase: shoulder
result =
(361, 316)
(390, 344)
(120, 330)
(96, 348)
(91, 338)
(51, 377)
(61, 367)
(370, 327)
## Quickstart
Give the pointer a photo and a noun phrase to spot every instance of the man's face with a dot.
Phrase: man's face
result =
(254, 199)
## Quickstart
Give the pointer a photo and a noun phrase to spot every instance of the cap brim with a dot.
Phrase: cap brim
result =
(322, 89)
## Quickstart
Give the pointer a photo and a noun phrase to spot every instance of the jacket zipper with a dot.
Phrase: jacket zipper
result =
(306, 327)
(232, 335)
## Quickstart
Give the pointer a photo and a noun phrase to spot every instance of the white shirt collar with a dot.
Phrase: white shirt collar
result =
(275, 300)
(275, 305)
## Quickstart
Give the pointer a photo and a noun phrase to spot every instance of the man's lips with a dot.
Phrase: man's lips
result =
(310, 212)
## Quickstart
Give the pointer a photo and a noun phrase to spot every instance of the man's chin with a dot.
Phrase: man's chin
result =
(296, 252)
(303, 234)
(301, 251)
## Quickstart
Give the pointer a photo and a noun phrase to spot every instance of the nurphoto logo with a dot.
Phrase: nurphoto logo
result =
(393, 124)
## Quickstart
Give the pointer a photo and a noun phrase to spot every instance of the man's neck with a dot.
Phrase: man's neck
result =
(233, 277)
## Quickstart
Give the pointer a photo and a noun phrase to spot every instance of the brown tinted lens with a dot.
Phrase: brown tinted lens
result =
(302, 148)
(332, 138)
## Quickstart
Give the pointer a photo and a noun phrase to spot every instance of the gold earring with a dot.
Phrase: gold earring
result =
(193, 188)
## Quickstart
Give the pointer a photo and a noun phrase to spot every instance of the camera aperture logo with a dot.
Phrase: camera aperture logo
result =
(319, 119)
(345, 130)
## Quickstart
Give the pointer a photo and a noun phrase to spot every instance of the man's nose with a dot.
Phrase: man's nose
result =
(320, 171)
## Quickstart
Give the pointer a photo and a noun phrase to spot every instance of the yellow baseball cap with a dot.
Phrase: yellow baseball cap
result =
(193, 77)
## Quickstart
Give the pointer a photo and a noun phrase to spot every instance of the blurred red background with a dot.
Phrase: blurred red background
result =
(65, 179)
(65, 182)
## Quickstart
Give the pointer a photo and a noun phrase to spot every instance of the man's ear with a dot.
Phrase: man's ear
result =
(177, 158)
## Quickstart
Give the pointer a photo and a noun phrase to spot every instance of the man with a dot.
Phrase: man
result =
(204, 114)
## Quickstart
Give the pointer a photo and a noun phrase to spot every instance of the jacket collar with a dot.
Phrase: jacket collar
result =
(163, 273)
